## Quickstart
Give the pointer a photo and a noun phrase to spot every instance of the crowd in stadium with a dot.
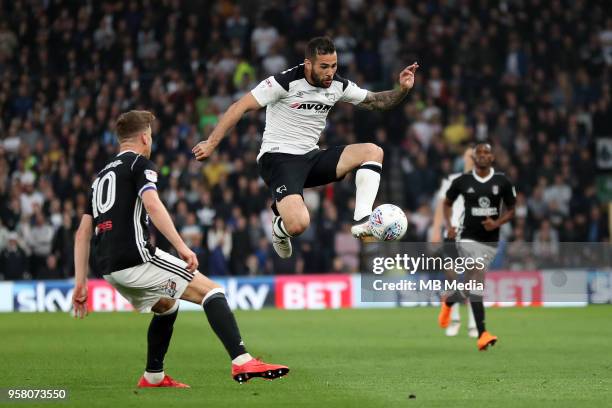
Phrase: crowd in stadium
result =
(531, 77)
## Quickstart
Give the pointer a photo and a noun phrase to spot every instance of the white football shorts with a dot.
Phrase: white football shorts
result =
(165, 276)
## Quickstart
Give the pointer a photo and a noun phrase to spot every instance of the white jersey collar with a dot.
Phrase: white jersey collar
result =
(483, 179)
(126, 151)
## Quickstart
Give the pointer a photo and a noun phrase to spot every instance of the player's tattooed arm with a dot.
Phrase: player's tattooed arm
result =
(388, 99)
(383, 100)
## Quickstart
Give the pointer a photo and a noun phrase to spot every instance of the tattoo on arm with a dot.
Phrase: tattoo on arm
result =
(382, 100)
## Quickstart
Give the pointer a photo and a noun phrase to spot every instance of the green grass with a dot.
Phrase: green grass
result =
(349, 358)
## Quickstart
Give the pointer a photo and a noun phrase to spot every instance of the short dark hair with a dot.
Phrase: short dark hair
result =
(132, 122)
(319, 46)
(485, 143)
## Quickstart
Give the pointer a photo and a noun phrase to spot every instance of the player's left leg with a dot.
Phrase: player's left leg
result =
(480, 254)
(367, 158)
(201, 290)
(476, 297)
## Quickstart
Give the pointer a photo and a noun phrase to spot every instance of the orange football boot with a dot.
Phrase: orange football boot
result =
(444, 318)
(485, 340)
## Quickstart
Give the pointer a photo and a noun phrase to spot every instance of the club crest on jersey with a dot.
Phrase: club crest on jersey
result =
(484, 202)
(317, 107)
(151, 176)
(169, 288)
(331, 96)
(495, 189)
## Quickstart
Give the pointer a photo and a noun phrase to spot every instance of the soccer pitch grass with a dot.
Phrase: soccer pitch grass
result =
(351, 358)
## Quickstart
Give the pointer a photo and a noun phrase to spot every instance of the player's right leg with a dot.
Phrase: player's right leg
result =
(291, 218)
(158, 340)
(285, 175)
(201, 290)
(453, 328)
(449, 318)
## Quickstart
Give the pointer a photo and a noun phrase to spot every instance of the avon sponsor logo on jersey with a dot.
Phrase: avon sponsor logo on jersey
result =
(317, 107)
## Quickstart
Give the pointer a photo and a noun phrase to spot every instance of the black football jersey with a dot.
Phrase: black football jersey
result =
(121, 237)
(483, 198)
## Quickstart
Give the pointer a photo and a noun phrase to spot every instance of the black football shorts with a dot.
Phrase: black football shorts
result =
(287, 174)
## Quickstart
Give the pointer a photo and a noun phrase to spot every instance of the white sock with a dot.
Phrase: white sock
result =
(471, 321)
(241, 359)
(455, 317)
(279, 229)
(154, 378)
(367, 180)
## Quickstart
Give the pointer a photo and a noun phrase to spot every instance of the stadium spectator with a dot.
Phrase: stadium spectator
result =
(39, 237)
(347, 248)
(219, 247)
(546, 244)
(14, 259)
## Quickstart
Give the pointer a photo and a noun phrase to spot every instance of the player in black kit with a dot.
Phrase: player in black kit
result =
(483, 191)
(122, 199)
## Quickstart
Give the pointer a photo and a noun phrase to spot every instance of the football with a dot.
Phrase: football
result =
(389, 223)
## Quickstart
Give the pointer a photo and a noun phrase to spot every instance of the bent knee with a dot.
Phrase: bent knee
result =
(373, 153)
(163, 305)
(297, 224)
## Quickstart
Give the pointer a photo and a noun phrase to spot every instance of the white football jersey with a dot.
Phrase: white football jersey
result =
(296, 111)
(458, 206)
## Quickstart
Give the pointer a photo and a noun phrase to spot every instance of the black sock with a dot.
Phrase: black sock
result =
(479, 313)
(158, 340)
(275, 209)
(224, 324)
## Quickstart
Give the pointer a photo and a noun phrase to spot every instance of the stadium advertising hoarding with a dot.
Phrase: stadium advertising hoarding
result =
(55, 295)
(244, 293)
(599, 287)
(503, 288)
(314, 292)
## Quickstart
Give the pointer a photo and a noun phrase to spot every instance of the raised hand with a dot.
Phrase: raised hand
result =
(203, 150)
(406, 77)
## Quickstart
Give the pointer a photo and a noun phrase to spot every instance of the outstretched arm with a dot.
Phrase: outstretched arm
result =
(388, 99)
(229, 119)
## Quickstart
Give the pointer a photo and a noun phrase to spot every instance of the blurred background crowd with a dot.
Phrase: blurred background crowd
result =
(531, 76)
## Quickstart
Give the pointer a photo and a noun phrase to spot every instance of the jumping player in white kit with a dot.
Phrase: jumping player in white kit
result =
(297, 103)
